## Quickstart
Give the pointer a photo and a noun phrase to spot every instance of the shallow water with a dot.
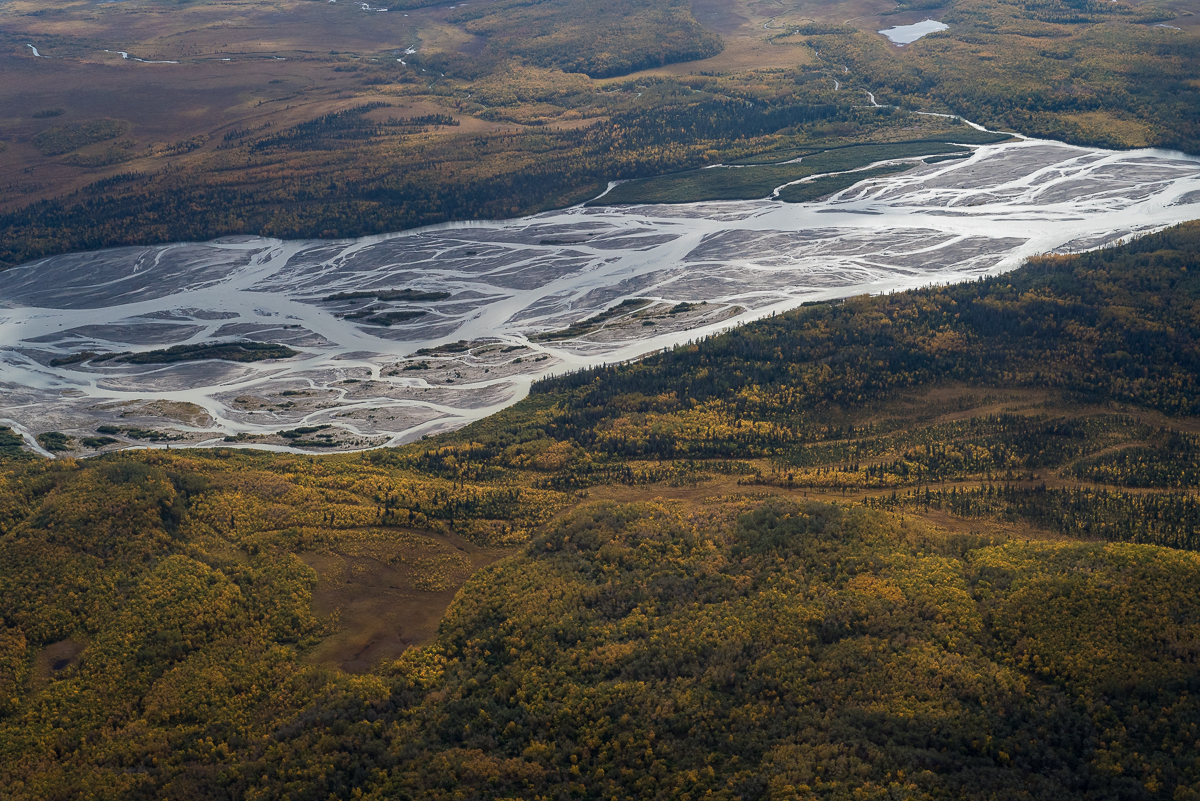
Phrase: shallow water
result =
(907, 34)
(511, 279)
(126, 57)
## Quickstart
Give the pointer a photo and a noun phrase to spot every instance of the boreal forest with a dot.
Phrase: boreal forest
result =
(921, 545)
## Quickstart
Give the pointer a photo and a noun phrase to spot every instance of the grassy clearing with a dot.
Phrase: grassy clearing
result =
(757, 181)
(961, 135)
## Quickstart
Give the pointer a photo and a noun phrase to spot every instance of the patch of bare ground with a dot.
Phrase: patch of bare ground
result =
(388, 592)
(229, 68)
(994, 530)
(180, 114)
(747, 28)
(55, 658)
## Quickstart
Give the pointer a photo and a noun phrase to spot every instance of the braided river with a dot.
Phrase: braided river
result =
(490, 292)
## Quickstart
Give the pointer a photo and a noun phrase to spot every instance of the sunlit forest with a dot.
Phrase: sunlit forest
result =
(933, 544)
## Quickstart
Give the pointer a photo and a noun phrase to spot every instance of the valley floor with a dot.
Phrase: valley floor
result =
(500, 305)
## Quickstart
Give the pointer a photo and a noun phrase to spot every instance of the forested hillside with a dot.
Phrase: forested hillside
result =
(1118, 322)
(936, 544)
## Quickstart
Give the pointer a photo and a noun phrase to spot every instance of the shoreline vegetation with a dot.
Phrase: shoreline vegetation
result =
(757, 178)
(940, 542)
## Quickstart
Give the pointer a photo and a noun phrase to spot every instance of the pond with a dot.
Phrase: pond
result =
(907, 34)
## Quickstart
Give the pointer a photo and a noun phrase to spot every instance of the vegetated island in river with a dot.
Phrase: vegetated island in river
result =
(224, 351)
(758, 177)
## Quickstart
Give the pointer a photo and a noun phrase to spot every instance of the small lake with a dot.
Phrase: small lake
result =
(906, 34)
